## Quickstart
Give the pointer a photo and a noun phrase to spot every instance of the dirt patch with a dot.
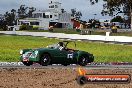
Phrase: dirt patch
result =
(53, 78)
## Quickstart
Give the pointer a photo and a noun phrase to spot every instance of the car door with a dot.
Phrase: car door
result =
(59, 56)
(70, 57)
(63, 56)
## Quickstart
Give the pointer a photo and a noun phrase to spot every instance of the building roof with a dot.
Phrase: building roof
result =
(50, 10)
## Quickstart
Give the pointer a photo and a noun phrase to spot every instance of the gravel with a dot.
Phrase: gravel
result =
(53, 78)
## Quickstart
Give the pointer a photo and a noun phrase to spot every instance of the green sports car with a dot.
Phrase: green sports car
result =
(59, 53)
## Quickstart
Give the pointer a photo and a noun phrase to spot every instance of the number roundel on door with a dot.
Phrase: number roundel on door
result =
(70, 56)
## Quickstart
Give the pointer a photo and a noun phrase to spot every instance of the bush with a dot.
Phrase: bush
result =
(35, 28)
(5, 28)
(26, 27)
(78, 30)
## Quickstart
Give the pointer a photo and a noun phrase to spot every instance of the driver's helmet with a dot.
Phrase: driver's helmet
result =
(61, 44)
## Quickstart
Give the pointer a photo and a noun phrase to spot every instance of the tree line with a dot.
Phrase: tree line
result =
(114, 7)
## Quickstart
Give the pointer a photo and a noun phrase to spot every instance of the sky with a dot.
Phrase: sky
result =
(80, 5)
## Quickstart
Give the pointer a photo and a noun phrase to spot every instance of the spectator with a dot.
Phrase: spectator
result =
(114, 29)
(81, 26)
(51, 28)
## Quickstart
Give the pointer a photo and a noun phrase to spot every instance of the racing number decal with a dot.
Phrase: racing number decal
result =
(70, 56)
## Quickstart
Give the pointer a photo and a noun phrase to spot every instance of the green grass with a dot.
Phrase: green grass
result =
(11, 45)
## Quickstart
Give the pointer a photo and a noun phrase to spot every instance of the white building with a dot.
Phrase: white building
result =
(52, 16)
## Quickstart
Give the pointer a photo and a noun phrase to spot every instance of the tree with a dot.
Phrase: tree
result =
(22, 12)
(93, 2)
(93, 23)
(117, 19)
(30, 12)
(76, 14)
(73, 12)
(3, 25)
(25, 11)
(10, 17)
(1, 22)
(112, 7)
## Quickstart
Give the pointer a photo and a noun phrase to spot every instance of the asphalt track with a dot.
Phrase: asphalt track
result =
(73, 66)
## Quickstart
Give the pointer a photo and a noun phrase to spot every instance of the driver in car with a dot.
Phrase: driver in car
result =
(61, 45)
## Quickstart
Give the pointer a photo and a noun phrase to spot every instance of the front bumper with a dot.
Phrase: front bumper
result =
(27, 59)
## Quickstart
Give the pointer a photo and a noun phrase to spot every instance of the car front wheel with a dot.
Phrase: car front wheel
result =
(45, 60)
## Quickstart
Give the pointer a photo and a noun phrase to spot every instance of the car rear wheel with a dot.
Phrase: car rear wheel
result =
(83, 60)
(45, 60)
(28, 63)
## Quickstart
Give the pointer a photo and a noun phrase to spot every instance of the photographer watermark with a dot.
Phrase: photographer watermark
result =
(84, 78)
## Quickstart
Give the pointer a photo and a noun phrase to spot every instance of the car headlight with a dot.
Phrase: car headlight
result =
(21, 52)
(36, 52)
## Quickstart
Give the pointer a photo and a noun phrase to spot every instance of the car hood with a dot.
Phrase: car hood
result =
(39, 49)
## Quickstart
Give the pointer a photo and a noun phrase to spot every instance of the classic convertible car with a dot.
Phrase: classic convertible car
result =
(59, 53)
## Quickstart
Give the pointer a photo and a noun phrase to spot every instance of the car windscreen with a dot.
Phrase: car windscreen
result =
(54, 46)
